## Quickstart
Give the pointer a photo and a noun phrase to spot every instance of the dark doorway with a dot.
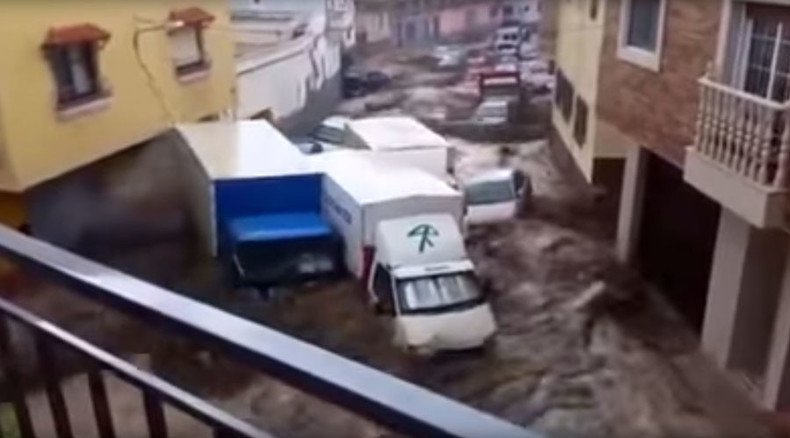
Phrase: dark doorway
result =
(677, 238)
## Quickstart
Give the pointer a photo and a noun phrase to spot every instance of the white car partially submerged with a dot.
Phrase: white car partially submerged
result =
(493, 111)
(495, 196)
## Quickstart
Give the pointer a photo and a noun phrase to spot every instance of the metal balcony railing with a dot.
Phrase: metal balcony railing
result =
(400, 406)
(748, 134)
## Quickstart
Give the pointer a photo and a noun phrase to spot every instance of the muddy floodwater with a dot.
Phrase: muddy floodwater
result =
(584, 348)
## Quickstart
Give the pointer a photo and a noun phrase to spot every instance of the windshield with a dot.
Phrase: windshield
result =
(329, 134)
(489, 192)
(285, 261)
(438, 293)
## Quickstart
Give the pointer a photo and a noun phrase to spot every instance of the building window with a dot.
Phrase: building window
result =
(493, 11)
(580, 122)
(507, 11)
(188, 51)
(762, 62)
(187, 41)
(641, 32)
(594, 6)
(73, 56)
(563, 99)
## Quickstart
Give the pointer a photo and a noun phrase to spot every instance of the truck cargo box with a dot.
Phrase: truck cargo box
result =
(402, 140)
(362, 189)
(244, 169)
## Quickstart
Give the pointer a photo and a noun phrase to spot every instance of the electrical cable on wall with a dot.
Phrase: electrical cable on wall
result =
(150, 77)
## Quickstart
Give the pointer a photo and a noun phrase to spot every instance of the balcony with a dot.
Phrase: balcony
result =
(62, 357)
(741, 153)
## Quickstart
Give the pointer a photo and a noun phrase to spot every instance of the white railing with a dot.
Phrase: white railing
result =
(746, 133)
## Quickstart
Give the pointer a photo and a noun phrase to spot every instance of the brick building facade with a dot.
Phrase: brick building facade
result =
(669, 96)
(696, 93)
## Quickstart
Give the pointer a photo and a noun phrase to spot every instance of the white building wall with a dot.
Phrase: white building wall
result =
(280, 82)
(276, 78)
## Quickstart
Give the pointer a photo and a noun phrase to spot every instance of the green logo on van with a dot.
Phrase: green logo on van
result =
(424, 232)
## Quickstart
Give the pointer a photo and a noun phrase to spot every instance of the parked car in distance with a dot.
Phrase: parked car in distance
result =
(451, 60)
(495, 196)
(376, 80)
(353, 84)
(358, 82)
(506, 49)
(448, 57)
(493, 111)
(508, 34)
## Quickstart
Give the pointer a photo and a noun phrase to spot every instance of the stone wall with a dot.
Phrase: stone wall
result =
(659, 109)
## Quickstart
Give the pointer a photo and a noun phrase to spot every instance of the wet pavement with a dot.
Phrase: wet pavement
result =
(584, 348)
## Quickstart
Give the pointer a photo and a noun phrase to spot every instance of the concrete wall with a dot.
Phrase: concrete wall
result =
(627, 92)
(135, 198)
(283, 80)
(40, 144)
(319, 104)
(579, 41)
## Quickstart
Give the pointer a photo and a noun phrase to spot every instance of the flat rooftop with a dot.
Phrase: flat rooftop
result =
(382, 133)
(371, 179)
(243, 149)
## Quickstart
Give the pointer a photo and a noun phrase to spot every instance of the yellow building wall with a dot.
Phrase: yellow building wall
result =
(37, 145)
(578, 50)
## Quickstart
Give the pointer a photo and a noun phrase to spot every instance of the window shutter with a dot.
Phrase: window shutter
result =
(186, 49)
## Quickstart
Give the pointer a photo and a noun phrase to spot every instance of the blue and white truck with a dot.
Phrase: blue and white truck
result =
(402, 239)
(256, 204)
(276, 216)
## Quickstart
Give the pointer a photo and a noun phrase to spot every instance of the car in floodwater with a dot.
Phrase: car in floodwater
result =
(493, 111)
(495, 196)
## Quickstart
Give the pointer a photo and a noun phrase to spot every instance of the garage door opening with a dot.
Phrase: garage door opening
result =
(677, 239)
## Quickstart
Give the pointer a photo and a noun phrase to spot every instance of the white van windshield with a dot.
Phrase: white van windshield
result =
(437, 293)
(492, 192)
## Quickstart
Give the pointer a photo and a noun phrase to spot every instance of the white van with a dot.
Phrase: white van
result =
(495, 196)
(507, 41)
(423, 279)
(404, 141)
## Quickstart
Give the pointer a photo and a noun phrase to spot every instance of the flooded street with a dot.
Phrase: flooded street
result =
(584, 348)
